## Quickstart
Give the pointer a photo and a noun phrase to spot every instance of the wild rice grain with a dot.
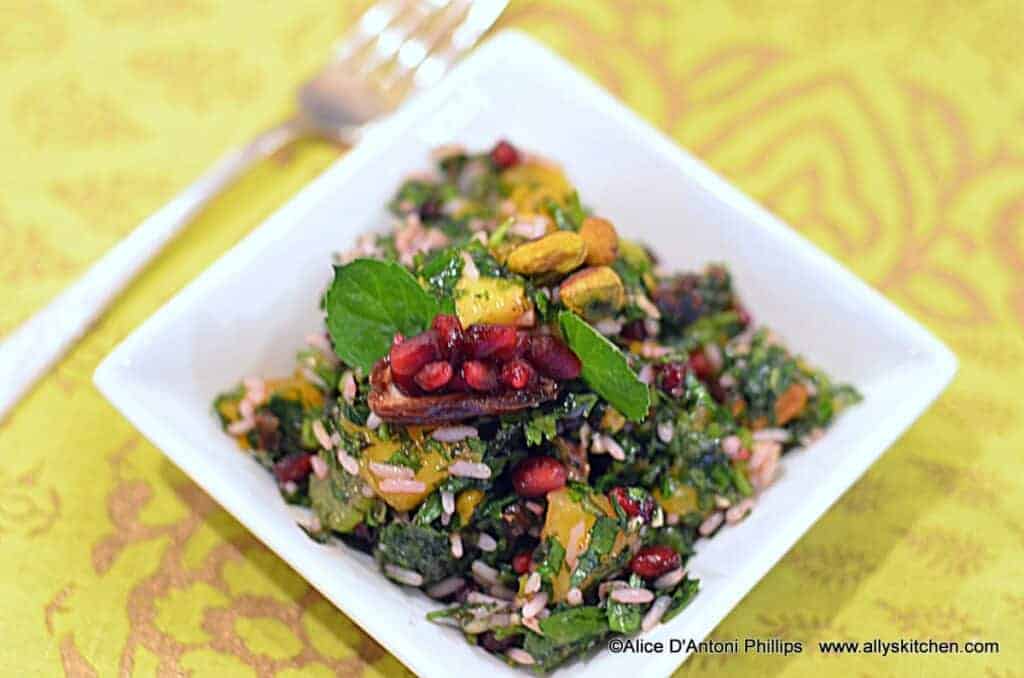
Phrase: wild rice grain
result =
(572, 549)
(632, 596)
(403, 576)
(477, 598)
(348, 462)
(669, 579)
(535, 508)
(320, 469)
(655, 614)
(453, 434)
(446, 587)
(456, 540)
(486, 542)
(532, 624)
(604, 588)
(711, 523)
(536, 603)
(469, 469)
(321, 435)
(520, 656)
(614, 449)
(392, 471)
(484, 573)
(739, 511)
(499, 591)
(402, 486)
(348, 387)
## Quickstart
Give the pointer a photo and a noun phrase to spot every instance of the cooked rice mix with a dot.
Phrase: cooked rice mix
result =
(519, 411)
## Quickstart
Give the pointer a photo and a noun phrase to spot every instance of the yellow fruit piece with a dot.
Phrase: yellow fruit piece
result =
(562, 516)
(533, 183)
(602, 241)
(490, 300)
(296, 388)
(466, 503)
(612, 420)
(683, 500)
(433, 470)
(559, 252)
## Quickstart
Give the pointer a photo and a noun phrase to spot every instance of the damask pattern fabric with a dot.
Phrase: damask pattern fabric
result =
(891, 134)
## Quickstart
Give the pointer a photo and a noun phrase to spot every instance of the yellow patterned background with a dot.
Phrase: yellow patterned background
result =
(890, 133)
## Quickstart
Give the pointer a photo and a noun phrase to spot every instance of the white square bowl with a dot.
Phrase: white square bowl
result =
(248, 313)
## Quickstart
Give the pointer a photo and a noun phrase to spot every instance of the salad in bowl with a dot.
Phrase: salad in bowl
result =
(516, 409)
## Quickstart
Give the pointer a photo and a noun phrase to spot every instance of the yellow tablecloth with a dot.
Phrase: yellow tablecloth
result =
(892, 134)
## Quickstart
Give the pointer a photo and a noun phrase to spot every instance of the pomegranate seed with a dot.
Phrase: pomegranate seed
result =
(698, 362)
(484, 340)
(517, 350)
(294, 467)
(409, 357)
(449, 336)
(434, 375)
(517, 374)
(479, 375)
(504, 155)
(536, 476)
(554, 358)
(633, 507)
(653, 561)
(406, 383)
(521, 562)
(634, 330)
(672, 377)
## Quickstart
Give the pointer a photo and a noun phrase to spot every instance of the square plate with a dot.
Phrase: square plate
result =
(252, 308)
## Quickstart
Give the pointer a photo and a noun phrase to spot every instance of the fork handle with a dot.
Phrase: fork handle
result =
(31, 349)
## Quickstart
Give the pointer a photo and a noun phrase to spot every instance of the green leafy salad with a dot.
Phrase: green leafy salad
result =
(517, 410)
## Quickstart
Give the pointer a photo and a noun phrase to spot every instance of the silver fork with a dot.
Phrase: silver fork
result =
(397, 48)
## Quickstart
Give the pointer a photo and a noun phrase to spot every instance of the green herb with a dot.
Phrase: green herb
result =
(624, 618)
(417, 548)
(684, 593)
(404, 458)
(553, 559)
(429, 511)
(337, 499)
(574, 624)
(605, 368)
(368, 302)
(602, 538)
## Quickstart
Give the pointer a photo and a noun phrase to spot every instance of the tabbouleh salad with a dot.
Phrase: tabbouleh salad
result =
(518, 411)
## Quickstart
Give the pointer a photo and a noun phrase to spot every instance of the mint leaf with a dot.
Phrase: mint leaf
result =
(605, 368)
(368, 302)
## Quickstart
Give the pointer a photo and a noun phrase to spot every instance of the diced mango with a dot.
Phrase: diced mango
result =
(296, 388)
(466, 503)
(490, 300)
(433, 470)
(683, 500)
(532, 183)
(562, 516)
